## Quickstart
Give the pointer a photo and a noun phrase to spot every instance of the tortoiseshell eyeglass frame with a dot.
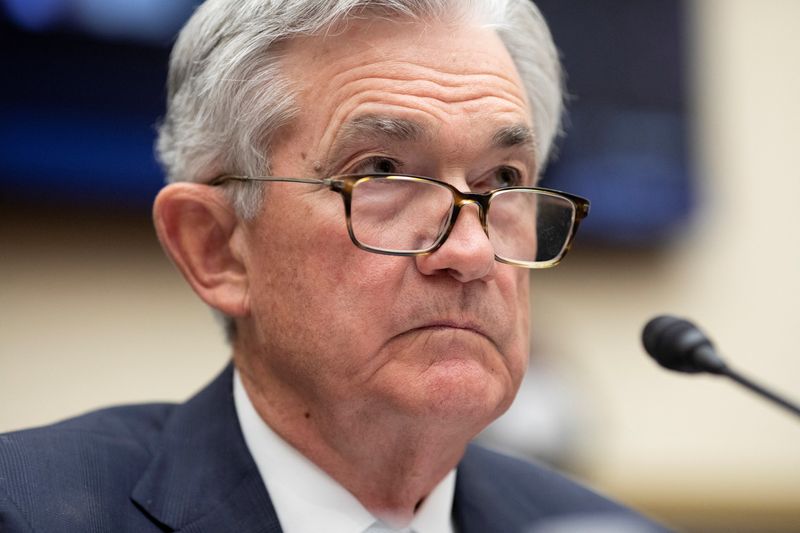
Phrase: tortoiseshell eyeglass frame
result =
(344, 185)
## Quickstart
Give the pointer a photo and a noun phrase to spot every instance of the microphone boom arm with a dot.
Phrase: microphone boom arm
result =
(758, 389)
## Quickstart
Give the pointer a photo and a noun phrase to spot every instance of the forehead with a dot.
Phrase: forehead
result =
(436, 74)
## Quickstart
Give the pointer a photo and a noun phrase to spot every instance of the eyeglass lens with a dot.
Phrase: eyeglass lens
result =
(406, 215)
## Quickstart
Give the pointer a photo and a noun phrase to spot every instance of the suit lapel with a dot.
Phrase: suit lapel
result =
(202, 478)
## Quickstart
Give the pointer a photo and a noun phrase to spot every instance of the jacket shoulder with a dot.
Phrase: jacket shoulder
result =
(129, 429)
(503, 493)
(550, 490)
(81, 466)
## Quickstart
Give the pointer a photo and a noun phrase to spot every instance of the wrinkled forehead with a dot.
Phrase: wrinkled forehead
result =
(433, 73)
(460, 45)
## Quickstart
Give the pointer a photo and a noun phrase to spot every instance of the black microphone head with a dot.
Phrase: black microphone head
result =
(675, 344)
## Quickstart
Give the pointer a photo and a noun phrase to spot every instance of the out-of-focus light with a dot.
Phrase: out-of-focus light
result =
(35, 14)
(147, 20)
(155, 21)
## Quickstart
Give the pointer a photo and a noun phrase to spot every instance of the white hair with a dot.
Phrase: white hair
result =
(227, 96)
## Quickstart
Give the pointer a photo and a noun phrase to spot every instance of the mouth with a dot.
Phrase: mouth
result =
(447, 337)
(452, 326)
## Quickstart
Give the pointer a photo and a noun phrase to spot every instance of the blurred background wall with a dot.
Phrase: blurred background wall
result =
(93, 314)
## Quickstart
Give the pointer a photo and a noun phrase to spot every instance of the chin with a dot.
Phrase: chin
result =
(463, 390)
(454, 378)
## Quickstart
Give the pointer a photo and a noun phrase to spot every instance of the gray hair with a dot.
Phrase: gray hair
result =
(227, 96)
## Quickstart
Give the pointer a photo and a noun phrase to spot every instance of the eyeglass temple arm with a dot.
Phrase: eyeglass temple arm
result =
(219, 180)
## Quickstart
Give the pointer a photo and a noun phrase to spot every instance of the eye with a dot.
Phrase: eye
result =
(508, 177)
(499, 178)
(376, 165)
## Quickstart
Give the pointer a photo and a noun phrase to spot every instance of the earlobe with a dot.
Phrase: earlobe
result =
(198, 229)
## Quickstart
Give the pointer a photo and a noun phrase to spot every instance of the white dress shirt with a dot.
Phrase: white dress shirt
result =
(308, 500)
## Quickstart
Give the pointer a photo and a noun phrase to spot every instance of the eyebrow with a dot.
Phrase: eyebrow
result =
(404, 130)
(380, 127)
(518, 135)
(372, 127)
(397, 129)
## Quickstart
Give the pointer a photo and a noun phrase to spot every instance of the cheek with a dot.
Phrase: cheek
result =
(517, 296)
(320, 293)
(524, 301)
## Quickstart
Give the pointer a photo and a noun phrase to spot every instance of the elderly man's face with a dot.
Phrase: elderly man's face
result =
(443, 335)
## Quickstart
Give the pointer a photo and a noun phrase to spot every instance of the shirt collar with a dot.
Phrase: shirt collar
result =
(306, 498)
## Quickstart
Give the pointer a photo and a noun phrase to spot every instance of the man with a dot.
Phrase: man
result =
(378, 319)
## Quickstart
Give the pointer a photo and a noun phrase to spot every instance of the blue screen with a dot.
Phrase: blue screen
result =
(85, 90)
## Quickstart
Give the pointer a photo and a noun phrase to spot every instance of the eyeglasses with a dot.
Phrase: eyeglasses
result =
(529, 227)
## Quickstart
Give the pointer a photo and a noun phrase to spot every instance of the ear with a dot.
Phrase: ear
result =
(201, 233)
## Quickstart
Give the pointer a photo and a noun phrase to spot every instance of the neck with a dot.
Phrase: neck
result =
(389, 462)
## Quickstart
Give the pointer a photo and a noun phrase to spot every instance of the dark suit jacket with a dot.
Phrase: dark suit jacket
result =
(165, 467)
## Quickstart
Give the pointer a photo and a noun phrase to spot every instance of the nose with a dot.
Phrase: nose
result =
(466, 255)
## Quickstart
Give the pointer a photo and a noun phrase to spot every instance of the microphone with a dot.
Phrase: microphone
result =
(677, 344)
